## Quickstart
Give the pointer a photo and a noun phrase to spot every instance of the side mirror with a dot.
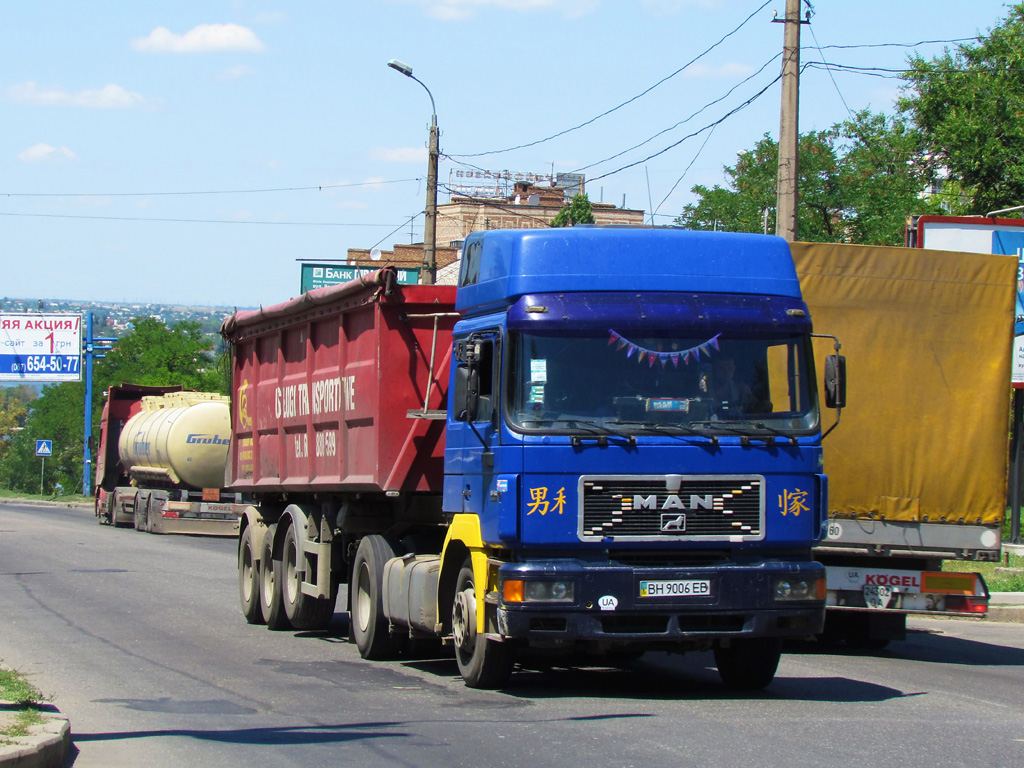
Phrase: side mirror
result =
(835, 381)
(466, 398)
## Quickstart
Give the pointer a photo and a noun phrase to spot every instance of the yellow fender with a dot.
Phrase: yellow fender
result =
(465, 530)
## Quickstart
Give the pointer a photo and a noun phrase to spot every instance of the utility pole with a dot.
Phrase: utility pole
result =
(429, 272)
(786, 200)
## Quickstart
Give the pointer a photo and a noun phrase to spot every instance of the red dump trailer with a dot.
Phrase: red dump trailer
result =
(338, 433)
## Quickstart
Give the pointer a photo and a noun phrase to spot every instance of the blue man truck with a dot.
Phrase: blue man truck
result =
(603, 441)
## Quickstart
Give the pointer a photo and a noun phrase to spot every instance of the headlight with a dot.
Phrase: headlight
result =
(517, 591)
(799, 588)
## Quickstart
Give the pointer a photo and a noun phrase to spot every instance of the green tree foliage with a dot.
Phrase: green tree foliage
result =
(858, 182)
(578, 212)
(156, 355)
(13, 412)
(969, 105)
(56, 415)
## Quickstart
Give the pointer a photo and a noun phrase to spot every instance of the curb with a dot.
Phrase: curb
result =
(46, 746)
(1007, 613)
(49, 503)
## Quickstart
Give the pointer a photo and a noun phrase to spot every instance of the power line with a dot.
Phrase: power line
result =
(831, 76)
(717, 122)
(685, 120)
(188, 221)
(318, 188)
(628, 101)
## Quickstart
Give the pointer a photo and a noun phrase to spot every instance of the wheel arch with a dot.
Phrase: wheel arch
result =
(464, 539)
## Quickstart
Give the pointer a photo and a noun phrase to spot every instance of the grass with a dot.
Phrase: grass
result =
(27, 701)
(65, 497)
(996, 583)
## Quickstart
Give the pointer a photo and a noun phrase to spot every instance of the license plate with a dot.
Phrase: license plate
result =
(690, 588)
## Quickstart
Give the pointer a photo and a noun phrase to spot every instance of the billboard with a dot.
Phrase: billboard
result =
(323, 275)
(40, 347)
(979, 234)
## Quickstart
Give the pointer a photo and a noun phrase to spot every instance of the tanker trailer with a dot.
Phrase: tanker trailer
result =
(160, 465)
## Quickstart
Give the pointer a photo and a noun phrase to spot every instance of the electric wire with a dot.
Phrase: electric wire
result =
(317, 187)
(628, 101)
(189, 221)
(687, 119)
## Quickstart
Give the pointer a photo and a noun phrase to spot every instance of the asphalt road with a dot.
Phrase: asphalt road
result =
(140, 641)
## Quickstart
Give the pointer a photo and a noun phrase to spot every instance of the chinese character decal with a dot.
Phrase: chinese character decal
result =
(793, 502)
(540, 503)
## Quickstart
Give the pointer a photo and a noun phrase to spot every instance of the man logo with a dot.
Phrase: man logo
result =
(673, 523)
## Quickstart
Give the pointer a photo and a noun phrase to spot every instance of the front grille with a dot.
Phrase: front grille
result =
(673, 507)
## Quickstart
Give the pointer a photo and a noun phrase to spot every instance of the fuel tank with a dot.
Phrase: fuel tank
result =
(180, 439)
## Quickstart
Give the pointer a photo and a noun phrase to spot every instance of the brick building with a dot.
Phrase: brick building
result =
(529, 207)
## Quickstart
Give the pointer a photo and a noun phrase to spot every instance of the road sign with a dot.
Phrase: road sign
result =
(40, 347)
(44, 448)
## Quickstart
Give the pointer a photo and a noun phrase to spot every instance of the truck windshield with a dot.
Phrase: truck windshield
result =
(619, 383)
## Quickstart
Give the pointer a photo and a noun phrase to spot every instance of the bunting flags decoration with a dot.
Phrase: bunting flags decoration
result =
(652, 355)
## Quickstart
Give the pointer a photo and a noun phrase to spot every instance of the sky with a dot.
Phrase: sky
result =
(183, 152)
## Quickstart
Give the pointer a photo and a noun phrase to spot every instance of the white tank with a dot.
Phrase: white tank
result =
(180, 437)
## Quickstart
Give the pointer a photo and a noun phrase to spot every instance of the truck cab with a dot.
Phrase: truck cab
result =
(633, 452)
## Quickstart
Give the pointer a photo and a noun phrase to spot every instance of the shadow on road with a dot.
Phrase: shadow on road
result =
(931, 646)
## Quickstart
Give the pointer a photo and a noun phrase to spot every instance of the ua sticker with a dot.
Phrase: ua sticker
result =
(608, 603)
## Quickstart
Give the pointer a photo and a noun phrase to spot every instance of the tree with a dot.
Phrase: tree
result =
(156, 355)
(858, 182)
(578, 212)
(968, 103)
(56, 415)
(13, 412)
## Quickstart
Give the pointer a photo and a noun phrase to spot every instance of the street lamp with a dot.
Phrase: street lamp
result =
(430, 215)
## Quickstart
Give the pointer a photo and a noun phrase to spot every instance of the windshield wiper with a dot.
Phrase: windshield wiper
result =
(748, 430)
(600, 432)
(667, 429)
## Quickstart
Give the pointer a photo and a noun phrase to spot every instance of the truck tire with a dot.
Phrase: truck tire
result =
(249, 579)
(305, 612)
(749, 664)
(271, 602)
(370, 626)
(482, 663)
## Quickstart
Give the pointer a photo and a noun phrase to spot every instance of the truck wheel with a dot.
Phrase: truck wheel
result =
(749, 664)
(249, 580)
(370, 626)
(305, 612)
(482, 663)
(271, 602)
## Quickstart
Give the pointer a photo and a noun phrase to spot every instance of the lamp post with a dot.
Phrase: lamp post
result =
(429, 269)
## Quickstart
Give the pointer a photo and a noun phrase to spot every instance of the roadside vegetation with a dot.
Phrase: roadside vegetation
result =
(23, 704)
(1005, 580)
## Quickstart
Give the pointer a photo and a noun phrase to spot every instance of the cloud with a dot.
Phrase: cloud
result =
(457, 10)
(200, 39)
(44, 153)
(399, 154)
(729, 69)
(110, 96)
